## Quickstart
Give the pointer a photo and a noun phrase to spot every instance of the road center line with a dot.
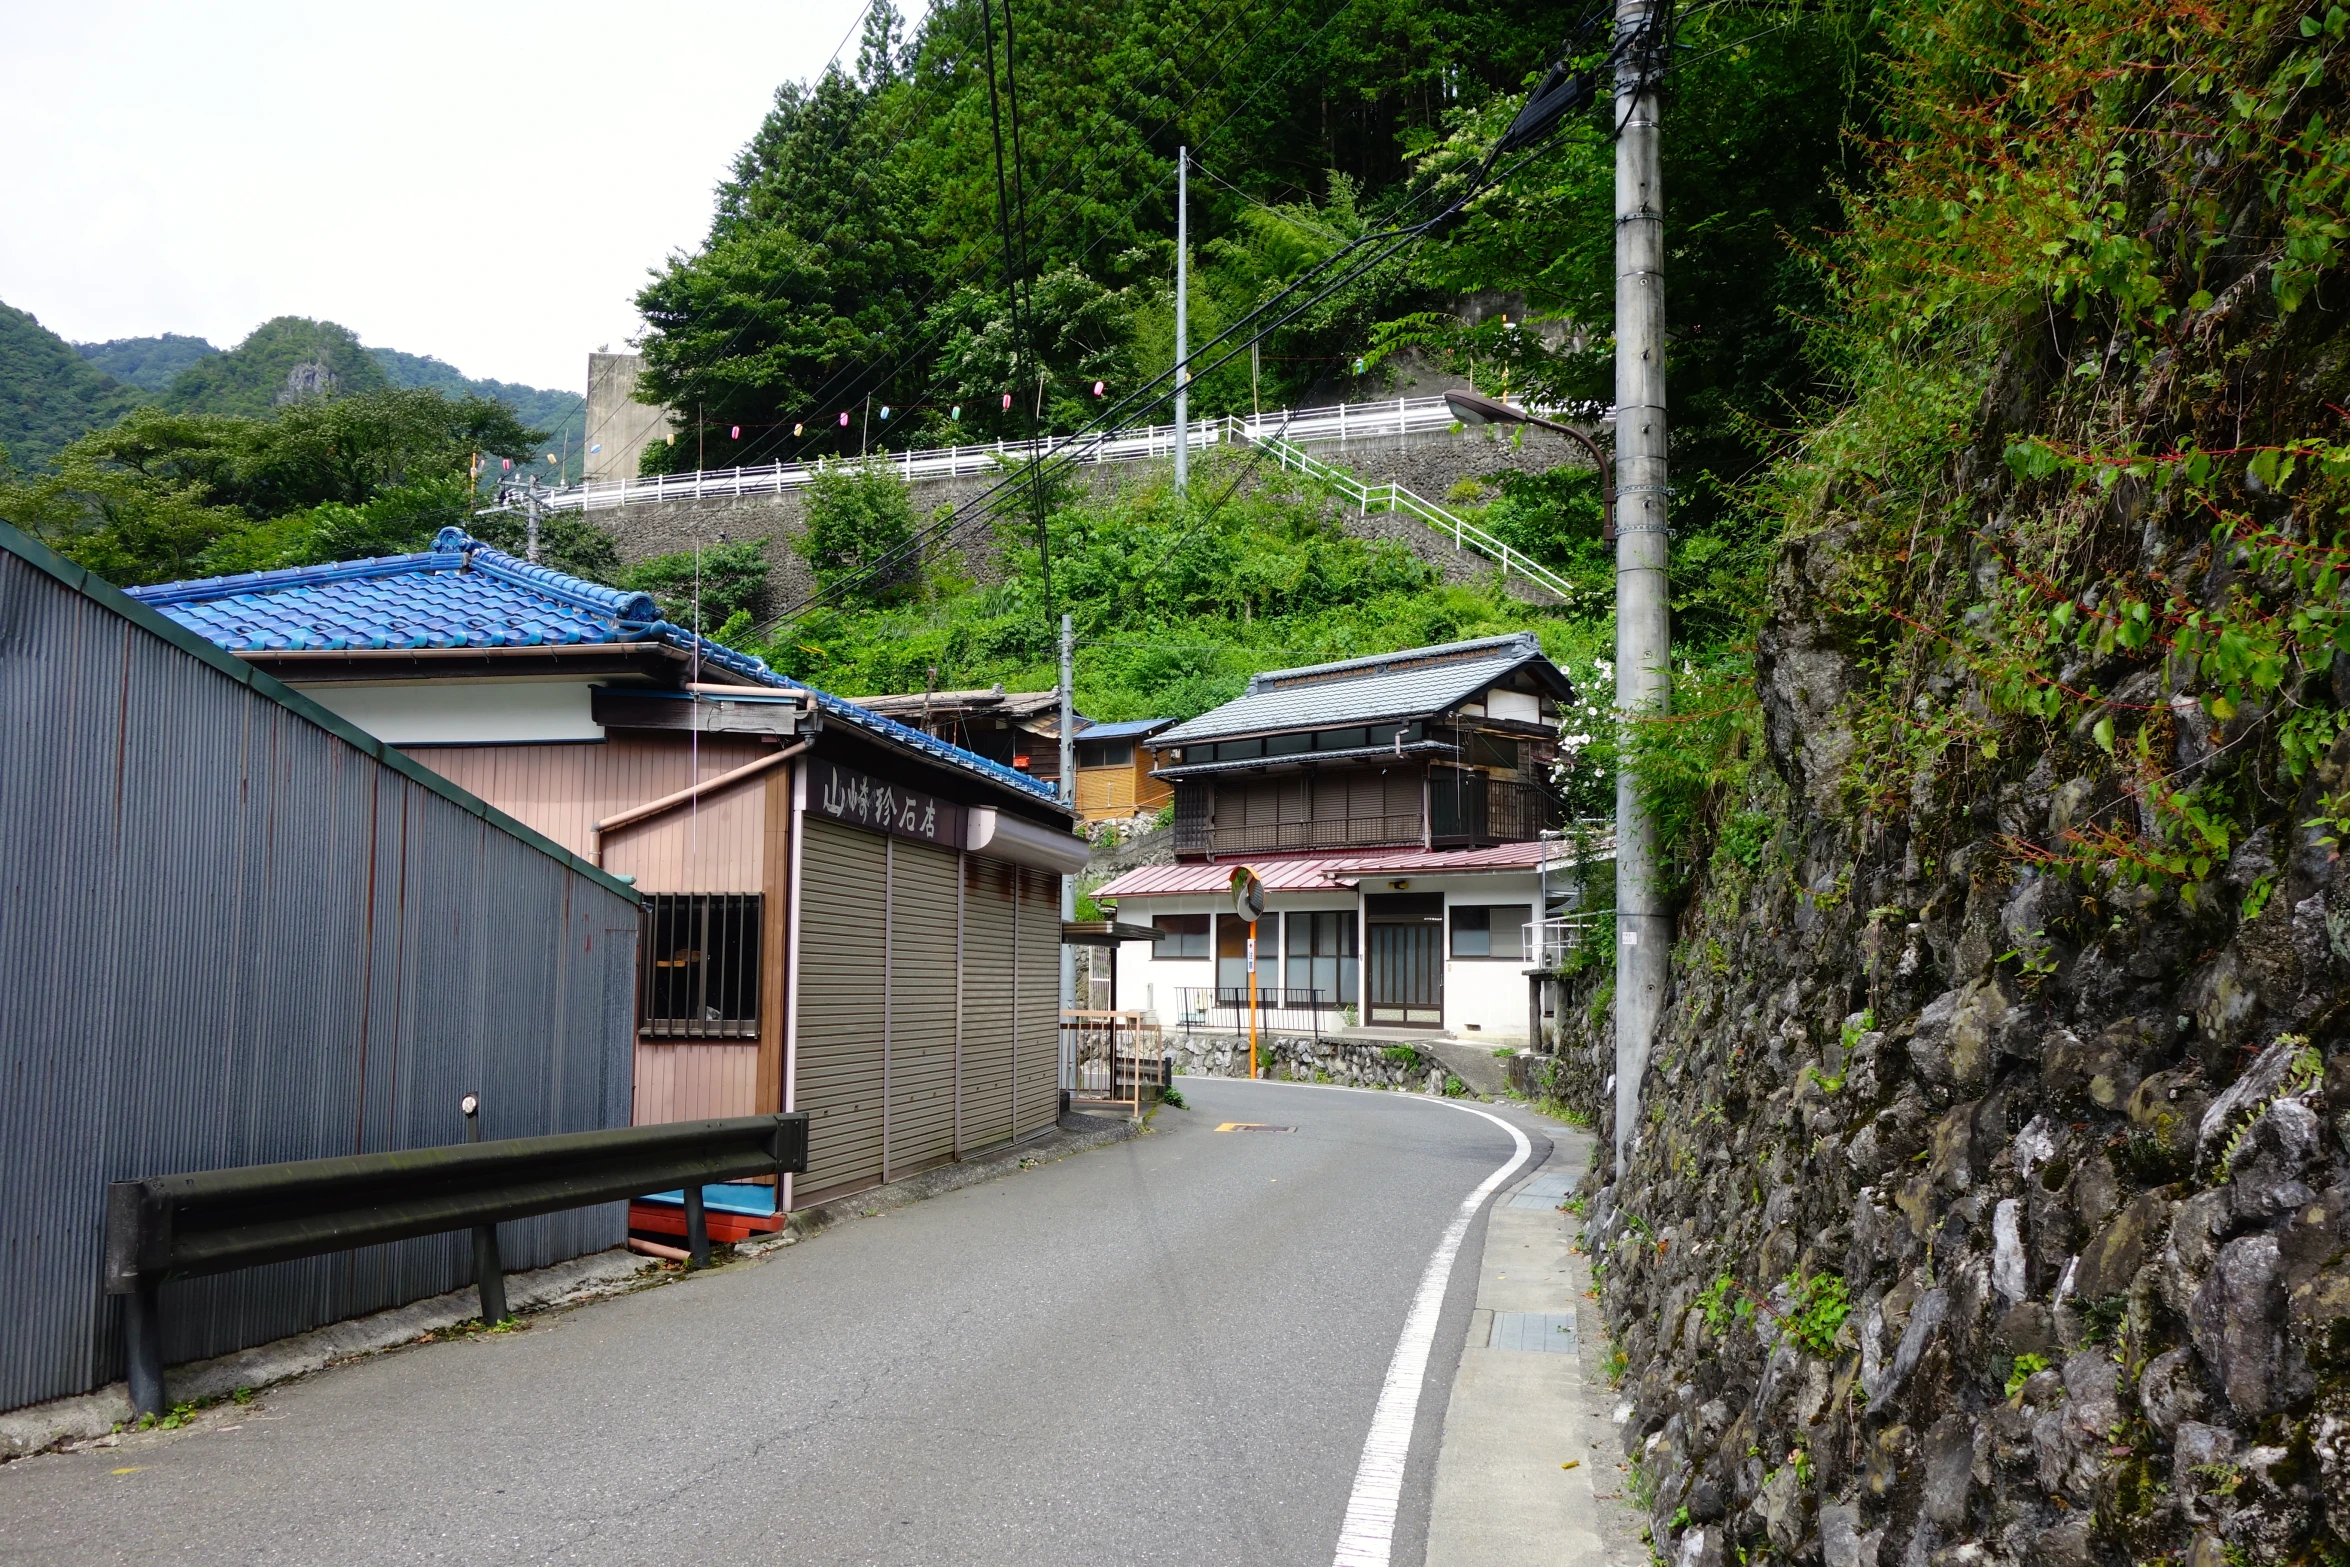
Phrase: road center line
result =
(1368, 1534)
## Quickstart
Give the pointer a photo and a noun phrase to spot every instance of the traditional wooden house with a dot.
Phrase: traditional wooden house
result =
(1022, 730)
(841, 914)
(1396, 808)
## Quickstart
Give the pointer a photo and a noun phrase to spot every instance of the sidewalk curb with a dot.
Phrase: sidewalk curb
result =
(93, 1416)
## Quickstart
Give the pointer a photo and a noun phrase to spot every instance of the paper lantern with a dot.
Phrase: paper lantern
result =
(958, 415)
(795, 430)
(1007, 402)
(1097, 388)
(505, 465)
(844, 418)
(738, 433)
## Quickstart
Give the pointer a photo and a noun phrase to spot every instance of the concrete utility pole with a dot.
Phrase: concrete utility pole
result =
(530, 511)
(1644, 931)
(1069, 796)
(1182, 317)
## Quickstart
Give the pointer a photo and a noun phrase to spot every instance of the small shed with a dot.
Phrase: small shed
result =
(238, 930)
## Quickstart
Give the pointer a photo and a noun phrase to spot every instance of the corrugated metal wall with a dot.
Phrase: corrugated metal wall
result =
(232, 937)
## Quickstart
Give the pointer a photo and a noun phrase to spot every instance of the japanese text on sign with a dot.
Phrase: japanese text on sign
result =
(846, 795)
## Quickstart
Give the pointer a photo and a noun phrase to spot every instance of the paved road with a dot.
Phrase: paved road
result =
(1167, 1350)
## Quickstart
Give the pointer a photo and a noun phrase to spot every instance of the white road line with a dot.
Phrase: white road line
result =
(1368, 1534)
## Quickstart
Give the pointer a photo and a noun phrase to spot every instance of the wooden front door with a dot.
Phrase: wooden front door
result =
(1405, 985)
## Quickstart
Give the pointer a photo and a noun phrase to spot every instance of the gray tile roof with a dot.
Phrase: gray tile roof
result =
(1385, 687)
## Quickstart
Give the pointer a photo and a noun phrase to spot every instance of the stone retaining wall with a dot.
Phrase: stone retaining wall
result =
(1301, 1058)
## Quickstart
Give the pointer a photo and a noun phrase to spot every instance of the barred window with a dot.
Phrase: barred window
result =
(700, 978)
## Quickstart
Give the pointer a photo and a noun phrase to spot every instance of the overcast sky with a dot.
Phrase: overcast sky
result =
(485, 182)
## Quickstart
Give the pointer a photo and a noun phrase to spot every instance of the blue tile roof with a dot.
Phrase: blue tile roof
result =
(1124, 729)
(463, 593)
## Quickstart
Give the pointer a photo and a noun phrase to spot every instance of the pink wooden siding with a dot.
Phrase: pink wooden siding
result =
(695, 1082)
(564, 790)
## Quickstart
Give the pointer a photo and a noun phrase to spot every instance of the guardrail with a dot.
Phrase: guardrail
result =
(1295, 1011)
(1345, 424)
(1394, 497)
(213, 1221)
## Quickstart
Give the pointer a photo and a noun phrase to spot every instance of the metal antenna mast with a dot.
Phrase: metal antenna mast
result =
(1644, 927)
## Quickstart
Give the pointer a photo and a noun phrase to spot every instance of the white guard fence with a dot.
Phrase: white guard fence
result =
(1284, 435)
(1343, 425)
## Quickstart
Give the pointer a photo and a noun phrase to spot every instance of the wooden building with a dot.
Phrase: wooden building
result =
(1022, 730)
(1396, 807)
(841, 914)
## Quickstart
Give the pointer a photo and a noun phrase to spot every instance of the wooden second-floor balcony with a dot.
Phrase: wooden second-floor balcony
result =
(1442, 808)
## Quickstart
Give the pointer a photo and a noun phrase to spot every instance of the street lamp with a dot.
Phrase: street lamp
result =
(1473, 408)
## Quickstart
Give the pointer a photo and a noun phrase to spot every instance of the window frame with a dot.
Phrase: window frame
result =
(1162, 923)
(742, 918)
(1517, 918)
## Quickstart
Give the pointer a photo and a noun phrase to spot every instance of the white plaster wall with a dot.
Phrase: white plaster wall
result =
(463, 712)
(1485, 998)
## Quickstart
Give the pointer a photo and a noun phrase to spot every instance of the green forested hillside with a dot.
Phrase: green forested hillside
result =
(149, 363)
(48, 395)
(563, 415)
(856, 263)
(285, 360)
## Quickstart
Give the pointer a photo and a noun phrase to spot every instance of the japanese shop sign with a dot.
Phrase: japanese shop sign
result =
(845, 795)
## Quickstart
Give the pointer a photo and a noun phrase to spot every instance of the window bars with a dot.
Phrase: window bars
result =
(700, 966)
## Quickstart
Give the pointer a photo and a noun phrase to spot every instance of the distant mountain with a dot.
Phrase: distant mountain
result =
(48, 394)
(560, 414)
(52, 392)
(149, 363)
(283, 361)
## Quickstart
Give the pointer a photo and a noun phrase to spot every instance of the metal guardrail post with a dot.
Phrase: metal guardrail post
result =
(489, 1269)
(697, 1227)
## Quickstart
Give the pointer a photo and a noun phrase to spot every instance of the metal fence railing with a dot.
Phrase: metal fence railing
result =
(1338, 832)
(1550, 943)
(1344, 425)
(1394, 497)
(1112, 1058)
(1214, 1008)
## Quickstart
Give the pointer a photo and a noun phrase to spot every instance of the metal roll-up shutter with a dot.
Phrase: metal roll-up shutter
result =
(989, 893)
(921, 1006)
(841, 977)
(1039, 1098)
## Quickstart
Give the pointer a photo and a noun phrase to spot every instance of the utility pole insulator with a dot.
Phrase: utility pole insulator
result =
(1644, 929)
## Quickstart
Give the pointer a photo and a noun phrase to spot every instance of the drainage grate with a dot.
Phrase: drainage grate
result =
(1545, 1191)
(1549, 1332)
(1252, 1126)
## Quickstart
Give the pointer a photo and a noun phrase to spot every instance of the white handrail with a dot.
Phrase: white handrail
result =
(1397, 498)
(1341, 423)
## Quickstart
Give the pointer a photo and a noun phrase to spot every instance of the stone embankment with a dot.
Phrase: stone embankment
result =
(1303, 1058)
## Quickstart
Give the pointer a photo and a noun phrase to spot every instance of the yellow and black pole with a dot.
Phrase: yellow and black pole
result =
(1248, 901)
